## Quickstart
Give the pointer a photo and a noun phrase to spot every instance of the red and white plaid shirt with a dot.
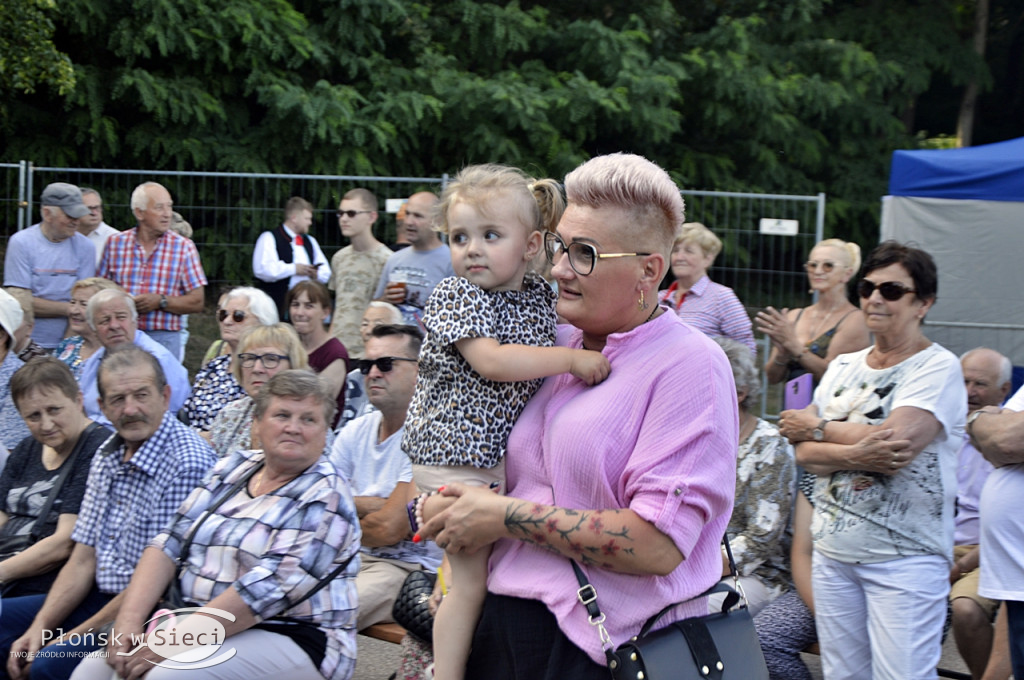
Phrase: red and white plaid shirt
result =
(173, 268)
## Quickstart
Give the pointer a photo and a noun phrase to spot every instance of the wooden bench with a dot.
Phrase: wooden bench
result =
(943, 673)
(388, 632)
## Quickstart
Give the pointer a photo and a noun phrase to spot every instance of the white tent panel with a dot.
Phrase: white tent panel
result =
(978, 247)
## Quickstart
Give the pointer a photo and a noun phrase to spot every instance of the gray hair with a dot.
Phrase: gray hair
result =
(1005, 366)
(296, 384)
(140, 199)
(105, 296)
(259, 303)
(396, 314)
(125, 357)
(744, 372)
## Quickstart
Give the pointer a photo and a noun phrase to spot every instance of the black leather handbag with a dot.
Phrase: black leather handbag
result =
(412, 608)
(719, 646)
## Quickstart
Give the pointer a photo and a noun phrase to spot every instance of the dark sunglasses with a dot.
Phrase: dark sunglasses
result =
(351, 213)
(383, 364)
(890, 290)
(238, 316)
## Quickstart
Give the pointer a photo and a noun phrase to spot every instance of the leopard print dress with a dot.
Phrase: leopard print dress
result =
(458, 417)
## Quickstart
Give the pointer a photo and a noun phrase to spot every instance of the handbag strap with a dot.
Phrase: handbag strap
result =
(587, 595)
(187, 543)
(65, 470)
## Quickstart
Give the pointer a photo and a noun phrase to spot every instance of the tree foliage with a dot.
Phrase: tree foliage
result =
(28, 57)
(798, 96)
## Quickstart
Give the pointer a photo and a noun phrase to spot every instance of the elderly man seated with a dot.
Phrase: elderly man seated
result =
(137, 479)
(368, 452)
(111, 314)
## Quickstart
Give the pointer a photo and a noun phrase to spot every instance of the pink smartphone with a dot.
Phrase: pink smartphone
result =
(799, 392)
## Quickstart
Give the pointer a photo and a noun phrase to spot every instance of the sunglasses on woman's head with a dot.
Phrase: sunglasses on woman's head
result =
(238, 316)
(890, 290)
(813, 266)
(383, 364)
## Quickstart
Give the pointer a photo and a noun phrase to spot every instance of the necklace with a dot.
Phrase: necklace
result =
(258, 481)
(651, 315)
(822, 321)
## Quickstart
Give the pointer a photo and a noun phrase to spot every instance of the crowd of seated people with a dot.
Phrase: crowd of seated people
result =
(254, 484)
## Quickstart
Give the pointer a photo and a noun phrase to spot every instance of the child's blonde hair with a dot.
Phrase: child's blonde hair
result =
(539, 201)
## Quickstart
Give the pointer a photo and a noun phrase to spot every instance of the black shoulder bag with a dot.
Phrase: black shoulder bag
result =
(718, 646)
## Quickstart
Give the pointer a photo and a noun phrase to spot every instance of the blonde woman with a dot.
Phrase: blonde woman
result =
(806, 340)
(710, 307)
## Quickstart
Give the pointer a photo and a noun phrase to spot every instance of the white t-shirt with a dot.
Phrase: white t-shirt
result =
(1002, 529)
(865, 517)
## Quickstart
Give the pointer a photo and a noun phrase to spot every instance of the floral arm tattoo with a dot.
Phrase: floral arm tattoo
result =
(590, 536)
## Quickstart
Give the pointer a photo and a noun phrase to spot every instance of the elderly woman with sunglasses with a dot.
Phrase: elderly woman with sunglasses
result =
(806, 340)
(263, 352)
(883, 436)
(215, 386)
(633, 477)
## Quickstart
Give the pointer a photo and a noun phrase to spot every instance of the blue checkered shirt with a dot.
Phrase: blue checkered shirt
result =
(127, 503)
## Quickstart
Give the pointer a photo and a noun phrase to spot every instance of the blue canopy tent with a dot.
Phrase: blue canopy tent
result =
(966, 208)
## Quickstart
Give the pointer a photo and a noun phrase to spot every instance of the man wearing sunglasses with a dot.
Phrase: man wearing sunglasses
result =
(411, 274)
(369, 454)
(288, 254)
(356, 268)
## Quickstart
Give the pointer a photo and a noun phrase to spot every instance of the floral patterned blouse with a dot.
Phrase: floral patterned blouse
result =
(215, 387)
(765, 482)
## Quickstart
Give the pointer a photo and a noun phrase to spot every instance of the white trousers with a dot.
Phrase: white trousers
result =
(883, 620)
(261, 654)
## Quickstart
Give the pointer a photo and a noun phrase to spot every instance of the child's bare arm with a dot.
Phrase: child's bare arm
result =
(508, 363)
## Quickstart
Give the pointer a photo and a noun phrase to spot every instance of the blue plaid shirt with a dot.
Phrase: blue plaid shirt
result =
(126, 504)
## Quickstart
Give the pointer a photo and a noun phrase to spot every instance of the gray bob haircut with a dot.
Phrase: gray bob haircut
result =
(744, 372)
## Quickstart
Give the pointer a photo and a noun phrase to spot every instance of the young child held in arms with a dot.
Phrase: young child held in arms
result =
(489, 343)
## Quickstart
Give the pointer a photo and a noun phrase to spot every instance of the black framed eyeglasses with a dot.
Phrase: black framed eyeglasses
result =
(826, 265)
(582, 256)
(268, 360)
(351, 213)
(890, 290)
(238, 316)
(383, 364)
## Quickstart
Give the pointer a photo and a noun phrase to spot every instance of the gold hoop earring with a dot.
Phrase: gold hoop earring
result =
(642, 303)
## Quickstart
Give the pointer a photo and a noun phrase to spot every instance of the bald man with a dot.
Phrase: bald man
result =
(420, 267)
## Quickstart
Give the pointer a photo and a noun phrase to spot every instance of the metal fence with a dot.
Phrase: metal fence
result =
(229, 210)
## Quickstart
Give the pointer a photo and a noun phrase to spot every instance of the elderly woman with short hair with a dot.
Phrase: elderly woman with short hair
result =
(631, 478)
(883, 435)
(215, 386)
(266, 536)
(263, 352)
(710, 307)
(765, 482)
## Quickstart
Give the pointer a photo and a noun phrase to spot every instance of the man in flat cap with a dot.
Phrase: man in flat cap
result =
(43, 261)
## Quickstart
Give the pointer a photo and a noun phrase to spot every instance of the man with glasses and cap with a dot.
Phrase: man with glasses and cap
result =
(368, 452)
(43, 261)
